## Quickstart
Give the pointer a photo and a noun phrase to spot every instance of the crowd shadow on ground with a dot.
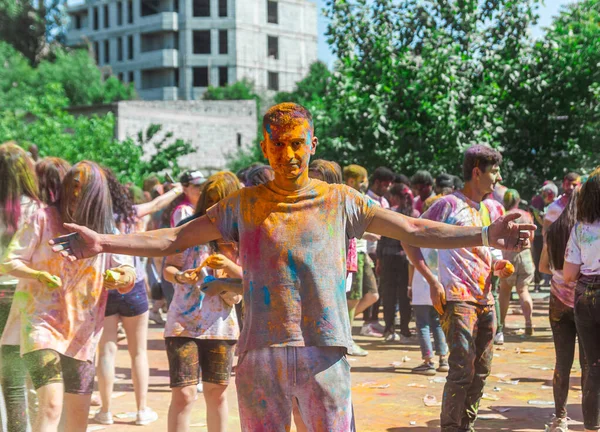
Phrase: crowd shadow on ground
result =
(517, 419)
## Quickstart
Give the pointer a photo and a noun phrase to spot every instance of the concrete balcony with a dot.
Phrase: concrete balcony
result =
(164, 21)
(165, 58)
(76, 37)
(160, 93)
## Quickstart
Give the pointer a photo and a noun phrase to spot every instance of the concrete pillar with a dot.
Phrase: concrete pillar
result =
(185, 50)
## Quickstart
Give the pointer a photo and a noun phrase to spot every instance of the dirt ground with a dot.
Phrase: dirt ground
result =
(387, 397)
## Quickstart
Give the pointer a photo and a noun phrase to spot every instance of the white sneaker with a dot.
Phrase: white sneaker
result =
(200, 388)
(392, 337)
(499, 339)
(357, 351)
(375, 325)
(156, 317)
(558, 425)
(368, 330)
(104, 418)
(146, 416)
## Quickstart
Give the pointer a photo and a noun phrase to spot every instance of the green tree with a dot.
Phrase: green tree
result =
(552, 123)
(417, 81)
(34, 28)
(44, 121)
(75, 71)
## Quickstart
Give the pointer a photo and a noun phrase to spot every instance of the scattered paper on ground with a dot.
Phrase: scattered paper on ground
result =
(511, 382)
(501, 375)
(439, 380)
(541, 402)
(524, 350)
(490, 397)
(491, 417)
(125, 415)
(417, 385)
(544, 368)
(379, 386)
(431, 401)
(500, 409)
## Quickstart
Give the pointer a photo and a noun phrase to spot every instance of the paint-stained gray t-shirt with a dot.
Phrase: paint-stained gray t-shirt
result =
(293, 254)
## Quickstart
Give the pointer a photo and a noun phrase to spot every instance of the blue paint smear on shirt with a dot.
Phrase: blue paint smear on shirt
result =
(267, 295)
(292, 265)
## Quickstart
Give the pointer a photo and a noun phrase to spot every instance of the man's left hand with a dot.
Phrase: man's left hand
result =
(504, 233)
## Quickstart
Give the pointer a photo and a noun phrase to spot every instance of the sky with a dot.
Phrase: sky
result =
(546, 12)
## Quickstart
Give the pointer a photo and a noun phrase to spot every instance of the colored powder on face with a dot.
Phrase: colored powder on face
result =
(267, 295)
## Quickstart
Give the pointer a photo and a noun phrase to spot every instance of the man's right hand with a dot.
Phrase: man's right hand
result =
(438, 297)
(81, 243)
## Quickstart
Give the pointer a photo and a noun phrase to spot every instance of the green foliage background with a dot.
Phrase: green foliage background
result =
(419, 81)
(416, 82)
(33, 109)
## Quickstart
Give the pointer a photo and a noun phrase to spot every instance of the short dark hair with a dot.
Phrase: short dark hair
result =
(285, 112)
(479, 156)
(422, 177)
(444, 181)
(401, 178)
(458, 183)
(382, 174)
(588, 202)
(572, 176)
(259, 175)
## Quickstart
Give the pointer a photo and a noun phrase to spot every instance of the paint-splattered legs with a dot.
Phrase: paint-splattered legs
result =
(13, 387)
(564, 333)
(458, 323)
(323, 389)
(263, 388)
(587, 319)
(485, 328)
(319, 377)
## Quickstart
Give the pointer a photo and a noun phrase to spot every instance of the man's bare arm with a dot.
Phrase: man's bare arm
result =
(423, 232)
(503, 233)
(85, 243)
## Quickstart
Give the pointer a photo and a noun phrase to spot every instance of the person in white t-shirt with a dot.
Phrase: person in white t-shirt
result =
(428, 320)
(582, 264)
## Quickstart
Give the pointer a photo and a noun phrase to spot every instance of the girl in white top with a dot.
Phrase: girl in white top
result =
(582, 264)
(18, 202)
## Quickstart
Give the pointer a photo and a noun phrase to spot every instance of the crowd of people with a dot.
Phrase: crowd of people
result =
(274, 264)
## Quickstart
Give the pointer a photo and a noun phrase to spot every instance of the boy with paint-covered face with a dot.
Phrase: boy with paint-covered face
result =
(462, 294)
(292, 236)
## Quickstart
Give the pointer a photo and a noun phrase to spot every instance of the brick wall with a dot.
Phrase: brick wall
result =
(211, 126)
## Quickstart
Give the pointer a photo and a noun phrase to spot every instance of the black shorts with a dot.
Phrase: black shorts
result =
(134, 303)
(187, 355)
(46, 366)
